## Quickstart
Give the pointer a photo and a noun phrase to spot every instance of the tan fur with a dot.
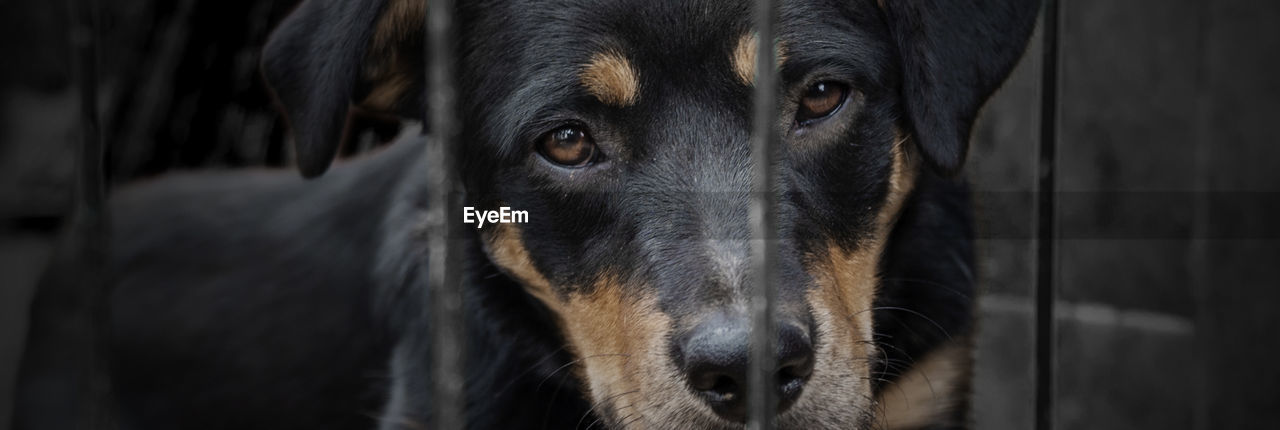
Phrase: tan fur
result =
(388, 65)
(389, 87)
(839, 390)
(842, 306)
(744, 58)
(401, 19)
(506, 249)
(929, 392)
(611, 79)
(901, 181)
(619, 340)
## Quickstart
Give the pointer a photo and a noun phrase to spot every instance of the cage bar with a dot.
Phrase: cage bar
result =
(1046, 228)
(445, 293)
(89, 220)
(761, 400)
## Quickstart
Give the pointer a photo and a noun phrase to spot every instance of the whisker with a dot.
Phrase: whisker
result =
(638, 416)
(913, 312)
(546, 417)
(600, 417)
(931, 283)
(596, 405)
(531, 368)
(566, 365)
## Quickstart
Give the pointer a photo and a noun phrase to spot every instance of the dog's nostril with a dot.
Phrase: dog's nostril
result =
(724, 389)
(795, 364)
(715, 360)
(712, 381)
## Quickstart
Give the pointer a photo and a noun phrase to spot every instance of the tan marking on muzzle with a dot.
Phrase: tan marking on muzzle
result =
(848, 282)
(842, 304)
(929, 393)
(619, 339)
(611, 79)
(744, 58)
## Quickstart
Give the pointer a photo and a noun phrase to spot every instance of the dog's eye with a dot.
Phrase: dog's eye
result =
(568, 146)
(820, 100)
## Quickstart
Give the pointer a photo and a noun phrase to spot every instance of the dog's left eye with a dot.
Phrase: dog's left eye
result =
(820, 100)
(568, 146)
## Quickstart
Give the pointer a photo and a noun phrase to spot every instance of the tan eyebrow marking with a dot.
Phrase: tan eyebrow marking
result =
(611, 79)
(744, 58)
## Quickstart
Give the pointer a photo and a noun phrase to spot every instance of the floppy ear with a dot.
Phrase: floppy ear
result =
(954, 54)
(327, 53)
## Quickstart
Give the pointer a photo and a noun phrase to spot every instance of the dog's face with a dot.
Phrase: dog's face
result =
(622, 128)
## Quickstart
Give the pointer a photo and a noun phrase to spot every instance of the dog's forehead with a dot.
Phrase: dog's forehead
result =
(675, 30)
(533, 60)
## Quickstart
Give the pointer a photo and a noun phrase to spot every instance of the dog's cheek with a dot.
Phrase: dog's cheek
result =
(838, 394)
(901, 181)
(846, 276)
(617, 338)
(506, 249)
(842, 304)
(620, 341)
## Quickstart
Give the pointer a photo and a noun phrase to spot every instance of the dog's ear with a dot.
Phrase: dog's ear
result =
(954, 54)
(328, 55)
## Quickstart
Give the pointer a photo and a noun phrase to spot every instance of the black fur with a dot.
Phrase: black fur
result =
(259, 300)
(313, 64)
(955, 53)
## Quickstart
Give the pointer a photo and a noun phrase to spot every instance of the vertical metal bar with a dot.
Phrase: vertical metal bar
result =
(1202, 220)
(89, 220)
(1046, 230)
(445, 293)
(760, 381)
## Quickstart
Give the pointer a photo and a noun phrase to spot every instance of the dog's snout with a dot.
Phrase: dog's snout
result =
(715, 360)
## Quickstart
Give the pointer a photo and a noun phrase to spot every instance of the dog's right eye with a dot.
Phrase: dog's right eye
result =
(568, 146)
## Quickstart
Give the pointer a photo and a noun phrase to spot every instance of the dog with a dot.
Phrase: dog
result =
(256, 299)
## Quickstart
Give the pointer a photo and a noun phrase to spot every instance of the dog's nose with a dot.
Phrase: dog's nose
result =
(715, 359)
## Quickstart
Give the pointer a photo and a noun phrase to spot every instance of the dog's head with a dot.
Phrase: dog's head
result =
(621, 127)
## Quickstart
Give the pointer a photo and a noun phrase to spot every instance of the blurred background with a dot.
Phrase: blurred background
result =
(1168, 171)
